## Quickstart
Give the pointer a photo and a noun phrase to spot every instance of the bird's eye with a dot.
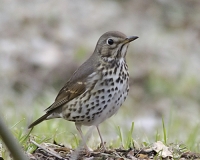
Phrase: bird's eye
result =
(110, 41)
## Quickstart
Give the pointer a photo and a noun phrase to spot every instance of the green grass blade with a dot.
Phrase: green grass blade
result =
(130, 142)
(120, 135)
(164, 131)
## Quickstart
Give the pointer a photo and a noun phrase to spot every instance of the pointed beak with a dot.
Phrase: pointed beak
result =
(131, 38)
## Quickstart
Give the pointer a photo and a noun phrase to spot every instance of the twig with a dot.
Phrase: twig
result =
(47, 150)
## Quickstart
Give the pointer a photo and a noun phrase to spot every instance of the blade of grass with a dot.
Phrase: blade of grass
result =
(164, 131)
(25, 137)
(120, 135)
(17, 123)
(130, 142)
(157, 138)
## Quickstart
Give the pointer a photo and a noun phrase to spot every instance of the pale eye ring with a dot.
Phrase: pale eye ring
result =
(110, 41)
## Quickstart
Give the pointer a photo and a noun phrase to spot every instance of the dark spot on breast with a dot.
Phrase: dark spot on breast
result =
(110, 72)
(110, 95)
(111, 80)
(97, 97)
(106, 82)
(87, 106)
(121, 68)
(93, 107)
(102, 97)
(87, 113)
(118, 79)
(88, 117)
(108, 90)
(103, 102)
(121, 81)
(83, 116)
(79, 110)
(112, 84)
(116, 88)
(92, 103)
(108, 100)
(115, 70)
(68, 115)
(105, 107)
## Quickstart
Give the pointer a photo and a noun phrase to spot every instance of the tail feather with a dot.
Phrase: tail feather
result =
(44, 117)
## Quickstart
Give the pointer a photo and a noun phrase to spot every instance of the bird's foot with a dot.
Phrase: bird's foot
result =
(87, 151)
(102, 147)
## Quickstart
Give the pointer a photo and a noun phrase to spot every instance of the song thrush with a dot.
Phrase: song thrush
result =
(97, 88)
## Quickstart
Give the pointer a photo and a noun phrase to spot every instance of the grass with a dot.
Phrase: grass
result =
(51, 132)
(164, 131)
(126, 140)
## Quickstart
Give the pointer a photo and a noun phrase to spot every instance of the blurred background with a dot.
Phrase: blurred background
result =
(43, 42)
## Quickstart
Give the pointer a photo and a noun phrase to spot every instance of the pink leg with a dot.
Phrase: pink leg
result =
(78, 127)
(102, 142)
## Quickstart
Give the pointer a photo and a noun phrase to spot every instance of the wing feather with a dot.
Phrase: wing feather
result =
(66, 94)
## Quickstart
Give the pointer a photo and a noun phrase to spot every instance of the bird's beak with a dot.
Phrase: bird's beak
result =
(131, 38)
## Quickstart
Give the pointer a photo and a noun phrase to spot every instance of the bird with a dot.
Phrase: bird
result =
(97, 89)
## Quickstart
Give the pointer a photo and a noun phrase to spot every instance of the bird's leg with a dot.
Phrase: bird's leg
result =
(78, 127)
(102, 142)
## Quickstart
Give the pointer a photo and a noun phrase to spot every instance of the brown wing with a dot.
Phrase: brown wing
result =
(67, 93)
(75, 86)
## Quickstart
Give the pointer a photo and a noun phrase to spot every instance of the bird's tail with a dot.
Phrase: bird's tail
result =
(39, 120)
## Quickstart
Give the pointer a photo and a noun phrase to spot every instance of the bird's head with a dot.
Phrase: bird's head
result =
(113, 45)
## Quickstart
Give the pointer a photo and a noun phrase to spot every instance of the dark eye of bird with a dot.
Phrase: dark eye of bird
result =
(110, 41)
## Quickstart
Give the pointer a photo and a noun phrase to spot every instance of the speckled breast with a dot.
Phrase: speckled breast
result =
(107, 90)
